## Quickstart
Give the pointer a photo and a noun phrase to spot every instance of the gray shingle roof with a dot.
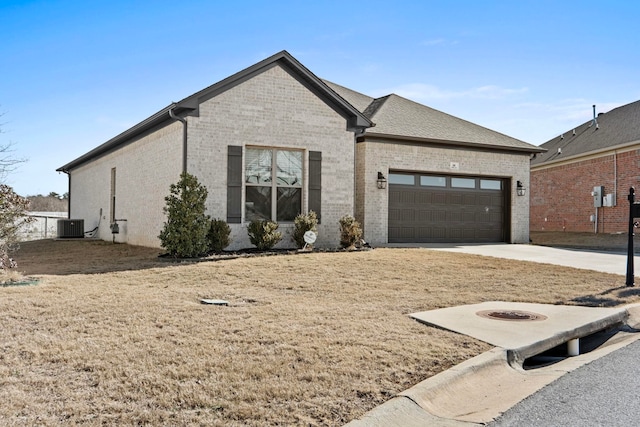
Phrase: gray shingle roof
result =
(357, 99)
(618, 127)
(395, 116)
(190, 105)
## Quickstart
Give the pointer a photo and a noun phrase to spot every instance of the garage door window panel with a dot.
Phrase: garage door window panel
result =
(433, 181)
(401, 179)
(463, 182)
(491, 184)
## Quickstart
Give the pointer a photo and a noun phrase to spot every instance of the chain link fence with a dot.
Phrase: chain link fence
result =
(44, 226)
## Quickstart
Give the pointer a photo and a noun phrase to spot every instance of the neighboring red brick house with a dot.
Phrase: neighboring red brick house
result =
(603, 152)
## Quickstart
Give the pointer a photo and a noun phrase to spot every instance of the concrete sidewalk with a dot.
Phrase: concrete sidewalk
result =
(606, 262)
(523, 329)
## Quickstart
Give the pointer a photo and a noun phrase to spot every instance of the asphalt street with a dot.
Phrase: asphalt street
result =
(605, 392)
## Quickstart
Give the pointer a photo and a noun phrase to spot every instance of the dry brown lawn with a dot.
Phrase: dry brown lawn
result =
(114, 335)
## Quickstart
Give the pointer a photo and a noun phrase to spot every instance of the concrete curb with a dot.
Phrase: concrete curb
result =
(401, 411)
(517, 356)
(480, 389)
(634, 315)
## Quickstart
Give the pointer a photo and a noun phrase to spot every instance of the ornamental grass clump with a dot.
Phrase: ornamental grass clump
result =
(264, 234)
(302, 224)
(350, 232)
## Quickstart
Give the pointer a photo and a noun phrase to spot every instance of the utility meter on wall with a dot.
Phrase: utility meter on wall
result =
(597, 194)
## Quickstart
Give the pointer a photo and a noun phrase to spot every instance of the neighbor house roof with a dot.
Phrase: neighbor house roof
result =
(189, 106)
(618, 128)
(396, 118)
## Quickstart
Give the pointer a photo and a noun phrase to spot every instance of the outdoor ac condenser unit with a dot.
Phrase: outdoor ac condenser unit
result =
(70, 228)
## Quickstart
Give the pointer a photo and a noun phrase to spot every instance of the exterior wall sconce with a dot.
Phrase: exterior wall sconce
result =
(382, 181)
(520, 189)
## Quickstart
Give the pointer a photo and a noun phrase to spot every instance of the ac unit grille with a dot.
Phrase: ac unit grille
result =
(70, 228)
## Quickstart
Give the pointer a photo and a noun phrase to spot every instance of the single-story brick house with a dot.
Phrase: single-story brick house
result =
(582, 181)
(275, 140)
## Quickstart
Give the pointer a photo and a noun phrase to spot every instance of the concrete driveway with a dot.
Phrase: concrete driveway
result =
(606, 262)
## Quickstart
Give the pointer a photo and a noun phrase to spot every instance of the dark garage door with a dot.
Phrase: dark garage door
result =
(446, 209)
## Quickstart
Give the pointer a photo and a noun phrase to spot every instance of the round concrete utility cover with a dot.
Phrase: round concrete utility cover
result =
(511, 315)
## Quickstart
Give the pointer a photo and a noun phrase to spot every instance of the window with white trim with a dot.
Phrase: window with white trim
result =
(273, 184)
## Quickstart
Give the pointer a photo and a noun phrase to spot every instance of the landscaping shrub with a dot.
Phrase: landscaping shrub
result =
(350, 232)
(263, 234)
(14, 210)
(304, 223)
(185, 233)
(218, 236)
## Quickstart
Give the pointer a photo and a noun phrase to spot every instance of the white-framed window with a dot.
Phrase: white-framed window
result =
(273, 184)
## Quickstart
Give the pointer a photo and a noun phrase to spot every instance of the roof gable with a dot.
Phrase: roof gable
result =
(355, 118)
(618, 127)
(189, 106)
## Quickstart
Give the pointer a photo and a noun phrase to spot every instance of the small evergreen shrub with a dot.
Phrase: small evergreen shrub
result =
(184, 235)
(350, 232)
(304, 223)
(218, 236)
(264, 234)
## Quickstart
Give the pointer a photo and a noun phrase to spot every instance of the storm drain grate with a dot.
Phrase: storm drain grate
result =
(511, 315)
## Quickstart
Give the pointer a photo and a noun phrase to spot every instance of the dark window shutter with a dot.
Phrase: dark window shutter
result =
(234, 184)
(315, 182)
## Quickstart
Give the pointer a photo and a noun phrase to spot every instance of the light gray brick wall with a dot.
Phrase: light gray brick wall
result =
(275, 110)
(374, 157)
(145, 169)
(270, 110)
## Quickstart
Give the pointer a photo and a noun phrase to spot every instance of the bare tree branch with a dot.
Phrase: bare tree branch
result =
(8, 162)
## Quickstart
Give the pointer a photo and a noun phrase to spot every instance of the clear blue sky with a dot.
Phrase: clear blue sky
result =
(73, 74)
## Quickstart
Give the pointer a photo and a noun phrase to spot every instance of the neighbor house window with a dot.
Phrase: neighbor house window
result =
(273, 184)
